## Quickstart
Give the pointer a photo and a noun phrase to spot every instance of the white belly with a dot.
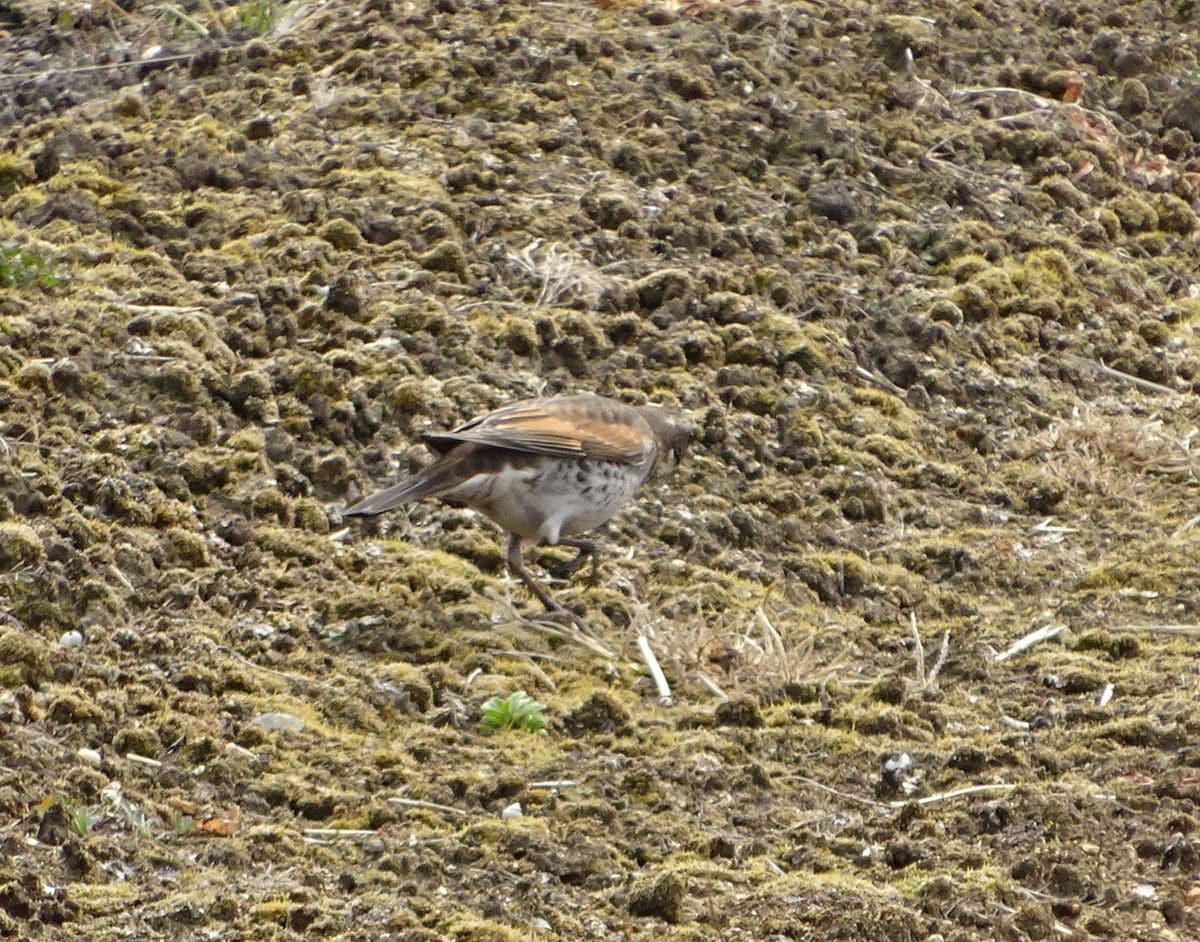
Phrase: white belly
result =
(553, 498)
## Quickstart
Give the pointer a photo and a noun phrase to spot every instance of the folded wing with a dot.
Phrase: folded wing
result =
(570, 427)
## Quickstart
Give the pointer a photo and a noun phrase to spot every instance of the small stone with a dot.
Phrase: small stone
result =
(512, 811)
(259, 129)
(740, 711)
(345, 295)
(279, 722)
(661, 898)
(233, 751)
(384, 230)
(609, 210)
(71, 639)
(834, 201)
(665, 285)
(1134, 97)
(90, 756)
(1185, 111)
(599, 713)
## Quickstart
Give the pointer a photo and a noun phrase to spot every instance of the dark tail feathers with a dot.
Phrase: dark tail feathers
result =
(438, 478)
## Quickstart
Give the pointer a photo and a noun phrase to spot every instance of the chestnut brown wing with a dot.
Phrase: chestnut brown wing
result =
(567, 427)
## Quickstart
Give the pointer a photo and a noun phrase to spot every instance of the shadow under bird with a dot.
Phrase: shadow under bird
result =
(546, 470)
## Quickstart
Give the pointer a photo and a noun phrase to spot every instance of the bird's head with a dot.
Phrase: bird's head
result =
(673, 432)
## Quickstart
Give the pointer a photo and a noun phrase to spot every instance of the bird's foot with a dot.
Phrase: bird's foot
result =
(587, 551)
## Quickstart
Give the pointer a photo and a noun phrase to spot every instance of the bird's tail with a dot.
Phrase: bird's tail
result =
(438, 478)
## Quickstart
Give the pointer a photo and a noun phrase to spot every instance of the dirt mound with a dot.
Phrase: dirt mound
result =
(923, 275)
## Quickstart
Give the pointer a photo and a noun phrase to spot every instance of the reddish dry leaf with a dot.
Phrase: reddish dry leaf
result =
(225, 825)
(1084, 169)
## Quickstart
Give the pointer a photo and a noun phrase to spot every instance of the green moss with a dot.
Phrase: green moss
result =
(188, 547)
(310, 515)
(139, 740)
(342, 234)
(201, 471)
(70, 708)
(24, 658)
(19, 546)
(1110, 222)
(34, 376)
(446, 256)
(519, 335)
(966, 267)
(15, 172)
(25, 265)
(1128, 574)
(270, 502)
(1174, 215)
(289, 544)
(1135, 214)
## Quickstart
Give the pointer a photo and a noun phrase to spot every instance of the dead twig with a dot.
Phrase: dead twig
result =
(426, 805)
(323, 835)
(821, 786)
(1157, 629)
(955, 793)
(1099, 366)
(928, 681)
(660, 679)
(1045, 633)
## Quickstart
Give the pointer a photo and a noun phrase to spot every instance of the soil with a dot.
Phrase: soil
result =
(922, 273)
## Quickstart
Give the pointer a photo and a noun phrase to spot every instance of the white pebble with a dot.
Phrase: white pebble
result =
(90, 756)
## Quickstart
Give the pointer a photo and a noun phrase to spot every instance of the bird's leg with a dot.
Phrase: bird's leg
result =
(516, 566)
(587, 550)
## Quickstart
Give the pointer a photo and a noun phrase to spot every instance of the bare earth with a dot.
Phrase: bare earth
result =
(925, 276)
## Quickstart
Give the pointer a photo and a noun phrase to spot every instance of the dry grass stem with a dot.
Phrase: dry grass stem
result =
(656, 672)
(426, 805)
(1157, 629)
(560, 273)
(1045, 633)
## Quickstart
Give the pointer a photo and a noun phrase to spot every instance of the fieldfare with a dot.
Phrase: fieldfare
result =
(546, 470)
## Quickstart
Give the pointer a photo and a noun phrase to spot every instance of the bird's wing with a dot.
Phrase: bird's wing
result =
(571, 427)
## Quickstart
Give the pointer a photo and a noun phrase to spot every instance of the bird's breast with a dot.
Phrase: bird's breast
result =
(546, 498)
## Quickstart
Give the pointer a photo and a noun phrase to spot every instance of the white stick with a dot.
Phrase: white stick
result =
(1159, 629)
(712, 685)
(346, 833)
(417, 803)
(660, 680)
(956, 793)
(1044, 633)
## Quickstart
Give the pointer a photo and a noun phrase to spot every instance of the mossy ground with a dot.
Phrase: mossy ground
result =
(236, 285)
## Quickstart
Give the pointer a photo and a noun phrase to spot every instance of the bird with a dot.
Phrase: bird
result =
(545, 470)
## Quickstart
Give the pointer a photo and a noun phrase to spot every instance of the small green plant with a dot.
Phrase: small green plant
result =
(80, 818)
(516, 711)
(181, 824)
(20, 266)
(260, 15)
